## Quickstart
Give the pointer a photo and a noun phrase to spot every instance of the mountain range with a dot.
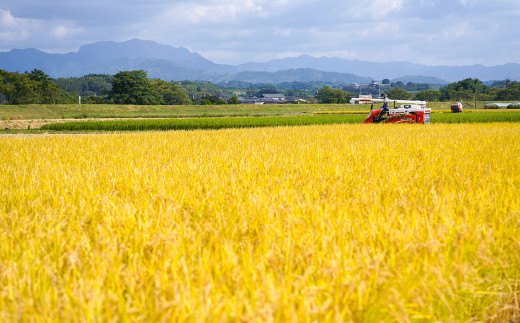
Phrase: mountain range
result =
(171, 63)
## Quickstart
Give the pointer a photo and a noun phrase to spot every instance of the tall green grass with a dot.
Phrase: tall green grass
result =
(250, 122)
(201, 123)
(476, 117)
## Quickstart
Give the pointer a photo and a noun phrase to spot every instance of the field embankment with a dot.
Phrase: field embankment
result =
(76, 111)
(84, 111)
(342, 223)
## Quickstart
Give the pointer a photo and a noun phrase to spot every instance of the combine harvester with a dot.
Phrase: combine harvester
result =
(406, 112)
(456, 107)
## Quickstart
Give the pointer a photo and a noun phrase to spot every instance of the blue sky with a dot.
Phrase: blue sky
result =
(433, 32)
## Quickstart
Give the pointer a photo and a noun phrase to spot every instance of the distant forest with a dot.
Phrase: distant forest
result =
(134, 87)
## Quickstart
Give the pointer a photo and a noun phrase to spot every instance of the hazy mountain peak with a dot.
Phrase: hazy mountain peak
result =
(177, 63)
(135, 48)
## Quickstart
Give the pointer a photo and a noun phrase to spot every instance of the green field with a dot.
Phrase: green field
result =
(476, 117)
(76, 111)
(215, 116)
(202, 123)
(249, 122)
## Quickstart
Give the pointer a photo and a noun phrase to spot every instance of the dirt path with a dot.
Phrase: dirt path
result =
(28, 124)
(37, 123)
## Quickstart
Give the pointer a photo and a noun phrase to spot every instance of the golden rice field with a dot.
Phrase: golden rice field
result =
(360, 223)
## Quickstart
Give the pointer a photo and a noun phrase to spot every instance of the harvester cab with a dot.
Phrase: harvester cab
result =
(406, 112)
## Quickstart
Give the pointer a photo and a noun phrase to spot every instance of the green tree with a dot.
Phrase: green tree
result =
(398, 94)
(172, 94)
(398, 84)
(428, 95)
(464, 90)
(328, 95)
(18, 88)
(87, 85)
(133, 87)
(460, 94)
(511, 92)
(211, 98)
(233, 100)
(34, 87)
(47, 91)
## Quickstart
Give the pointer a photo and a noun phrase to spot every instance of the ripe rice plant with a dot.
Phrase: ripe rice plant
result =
(344, 223)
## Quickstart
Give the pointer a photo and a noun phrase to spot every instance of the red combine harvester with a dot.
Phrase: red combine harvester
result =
(406, 112)
(457, 107)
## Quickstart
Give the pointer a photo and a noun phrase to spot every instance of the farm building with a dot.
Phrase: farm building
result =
(253, 100)
(274, 98)
(265, 99)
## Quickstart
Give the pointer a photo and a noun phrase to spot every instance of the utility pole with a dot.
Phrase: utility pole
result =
(476, 93)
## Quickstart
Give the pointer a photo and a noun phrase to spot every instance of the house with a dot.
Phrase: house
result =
(265, 99)
(253, 100)
(274, 98)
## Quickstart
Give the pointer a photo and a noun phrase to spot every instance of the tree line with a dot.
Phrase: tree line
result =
(464, 90)
(128, 87)
(134, 87)
(31, 88)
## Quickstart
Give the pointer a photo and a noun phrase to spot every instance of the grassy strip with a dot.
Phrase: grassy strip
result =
(76, 111)
(249, 122)
(433, 111)
(201, 123)
(340, 112)
(486, 117)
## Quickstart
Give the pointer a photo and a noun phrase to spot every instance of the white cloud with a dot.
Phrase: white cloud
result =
(64, 32)
(209, 13)
(6, 19)
(16, 29)
(373, 9)
(60, 32)
(30, 32)
(284, 32)
(385, 5)
(237, 31)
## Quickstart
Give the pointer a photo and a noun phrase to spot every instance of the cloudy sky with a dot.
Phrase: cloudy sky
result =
(433, 32)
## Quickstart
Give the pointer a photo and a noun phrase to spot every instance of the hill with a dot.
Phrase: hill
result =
(177, 63)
